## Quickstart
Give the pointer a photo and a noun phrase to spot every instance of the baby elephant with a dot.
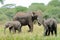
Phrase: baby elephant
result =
(13, 25)
(50, 25)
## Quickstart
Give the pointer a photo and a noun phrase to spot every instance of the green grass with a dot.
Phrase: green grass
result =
(37, 34)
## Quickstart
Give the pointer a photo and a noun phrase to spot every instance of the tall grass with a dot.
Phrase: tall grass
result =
(37, 34)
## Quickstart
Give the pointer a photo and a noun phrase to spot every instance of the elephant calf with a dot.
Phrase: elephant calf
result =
(50, 25)
(13, 25)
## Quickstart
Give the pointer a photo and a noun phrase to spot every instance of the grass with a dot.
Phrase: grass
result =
(37, 34)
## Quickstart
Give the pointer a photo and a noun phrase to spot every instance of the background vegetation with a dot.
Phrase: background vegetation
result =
(52, 9)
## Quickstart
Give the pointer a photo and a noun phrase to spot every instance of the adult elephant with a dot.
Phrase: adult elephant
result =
(28, 18)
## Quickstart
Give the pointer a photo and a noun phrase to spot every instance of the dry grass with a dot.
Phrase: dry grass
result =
(37, 34)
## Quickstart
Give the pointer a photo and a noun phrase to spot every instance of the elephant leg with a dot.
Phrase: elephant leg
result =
(45, 33)
(48, 32)
(10, 30)
(52, 32)
(14, 30)
(55, 31)
(30, 27)
(19, 29)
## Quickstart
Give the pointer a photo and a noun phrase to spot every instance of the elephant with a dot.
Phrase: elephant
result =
(27, 18)
(50, 25)
(13, 26)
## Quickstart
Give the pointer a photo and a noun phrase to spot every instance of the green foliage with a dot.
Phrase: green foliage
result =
(3, 17)
(37, 6)
(6, 14)
(9, 11)
(53, 10)
(20, 8)
(55, 3)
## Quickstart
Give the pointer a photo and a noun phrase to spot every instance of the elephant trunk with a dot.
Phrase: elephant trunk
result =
(39, 20)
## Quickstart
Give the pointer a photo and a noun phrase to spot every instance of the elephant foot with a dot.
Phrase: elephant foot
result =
(19, 32)
(13, 33)
(45, 35)
(30, 31)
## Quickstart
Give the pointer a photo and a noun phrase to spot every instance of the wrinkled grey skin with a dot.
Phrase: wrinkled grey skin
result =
(50, 25)
(28, 18)
(13, 25)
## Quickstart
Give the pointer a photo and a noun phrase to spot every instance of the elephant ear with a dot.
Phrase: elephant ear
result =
(33, 14)
(10, 25)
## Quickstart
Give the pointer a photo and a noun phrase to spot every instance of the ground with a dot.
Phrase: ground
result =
(37, 34)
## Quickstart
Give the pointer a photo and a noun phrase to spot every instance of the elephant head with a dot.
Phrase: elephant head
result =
(38, 16)
(7, 25)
